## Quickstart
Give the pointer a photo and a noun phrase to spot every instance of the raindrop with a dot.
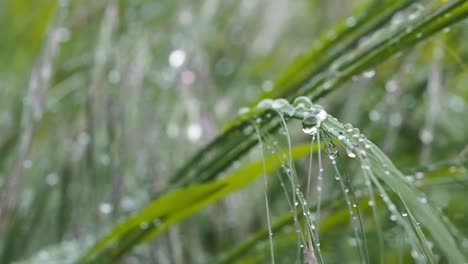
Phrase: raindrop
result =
(310, 124)
(351, 21)
(243, 110)
(265, 104)
(393, 217)
(322, 115)
(355, 131)
(414, 254)
(52, 179)
(283, 106)
(348, 127)
(423, 199)
(302, 101)
(194, 132)
(398, 18)
(350, 153)
(391, 86)
(177, 58)
(426, 136)
(374, 115)
(419, 175)
(105, 208)
(368, 74)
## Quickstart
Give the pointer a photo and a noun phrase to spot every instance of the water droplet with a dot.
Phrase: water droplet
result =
(177, 58)
(52, 179)
(348, 127)
(105, 208)
(419, 175)
(194, 132)
(355, 131)
(302, 101)
(283, 106)
(414, 254)
(350, 153)
(322, 115)
(265, 104)
(374, 115)
(310, 124)
(371, 203)
(423, 199)
(398, 18)
(351, 21)
(368, 74)
(243, 110)
(426, 136)
(393, 217)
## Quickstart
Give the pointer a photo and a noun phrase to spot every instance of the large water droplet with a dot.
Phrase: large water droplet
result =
(283, 106)
(265, 104)
(302, 101)
(310, 124)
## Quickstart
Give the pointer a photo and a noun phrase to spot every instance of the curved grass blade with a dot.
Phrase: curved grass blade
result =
(385, 171)
(176, 206)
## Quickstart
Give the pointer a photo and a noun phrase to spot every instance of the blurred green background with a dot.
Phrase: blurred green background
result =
(102, 101)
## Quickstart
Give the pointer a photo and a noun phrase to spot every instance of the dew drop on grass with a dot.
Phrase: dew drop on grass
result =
(351, 21)
(265, 104)
(355, 132)
(348, 127)
(419, 175)
(243, 110)
(322, 115)
(310, 124)
(283, 106)
(368, 74)
(302, 101)
(350, 153)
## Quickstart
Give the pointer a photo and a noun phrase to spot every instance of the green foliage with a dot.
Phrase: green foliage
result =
(125, 136)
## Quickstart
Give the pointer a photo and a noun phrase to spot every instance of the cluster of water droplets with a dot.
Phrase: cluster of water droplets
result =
(312, 115)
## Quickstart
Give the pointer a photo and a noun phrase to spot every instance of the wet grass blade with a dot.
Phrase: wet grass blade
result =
(176, 206)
